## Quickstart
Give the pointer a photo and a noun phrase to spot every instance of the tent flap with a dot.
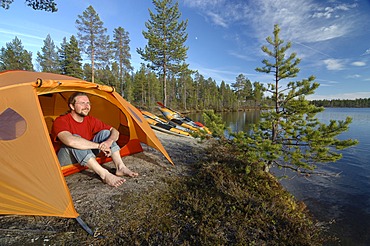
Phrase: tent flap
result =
(30, 178)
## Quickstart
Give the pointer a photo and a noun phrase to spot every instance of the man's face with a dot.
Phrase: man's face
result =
(82, 106)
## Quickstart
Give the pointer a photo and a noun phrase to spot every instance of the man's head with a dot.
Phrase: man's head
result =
(79, 103)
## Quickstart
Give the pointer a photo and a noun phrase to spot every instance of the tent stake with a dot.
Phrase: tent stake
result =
(87, 228)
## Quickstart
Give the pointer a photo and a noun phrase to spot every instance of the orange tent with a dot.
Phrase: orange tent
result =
(31, 179)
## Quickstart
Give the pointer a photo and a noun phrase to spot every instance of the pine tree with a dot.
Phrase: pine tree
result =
(105, 76)
(70, 58)
(121, 49)
(223, 95)
(15, 57)
(289, 135)
(128, 88)
(62, 56)
(166, 37)
(139, 86)
(184, 84)
(257, 93)
(73, 58)
(115, 76)
(48, 58)
(242, 88)
(87, 71)
(93, 39)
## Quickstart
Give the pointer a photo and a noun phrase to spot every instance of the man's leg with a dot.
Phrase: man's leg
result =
(67, 155)
(104, 174)
(121, 168)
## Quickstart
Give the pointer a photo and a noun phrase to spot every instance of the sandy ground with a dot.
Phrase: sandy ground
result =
(151, 165)
(91, 196)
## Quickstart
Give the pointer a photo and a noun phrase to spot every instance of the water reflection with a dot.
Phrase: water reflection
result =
(237, 121)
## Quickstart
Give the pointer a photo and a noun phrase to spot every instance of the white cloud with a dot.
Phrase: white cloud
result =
(18, 34)
(203, 4)
(217, 19)
(241, 56)
(354, 76)
(29, 42)
(217, 74)
(358, 64)
(300, 20)
(306, 23)
(367, 52)
(332, 11)
(346, 6)
(327, 83)
(226, 74)
(334, 64)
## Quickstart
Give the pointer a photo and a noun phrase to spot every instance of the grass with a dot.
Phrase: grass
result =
(219, 205)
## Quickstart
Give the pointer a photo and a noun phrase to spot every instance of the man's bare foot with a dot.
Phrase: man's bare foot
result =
(113, 180)
(124, 171)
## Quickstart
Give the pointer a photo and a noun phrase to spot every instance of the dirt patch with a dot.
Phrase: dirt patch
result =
(95, 201)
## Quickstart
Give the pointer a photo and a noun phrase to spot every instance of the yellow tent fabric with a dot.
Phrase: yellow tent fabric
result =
(31, 179)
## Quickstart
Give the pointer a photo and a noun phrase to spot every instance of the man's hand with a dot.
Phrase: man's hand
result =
(105, 149)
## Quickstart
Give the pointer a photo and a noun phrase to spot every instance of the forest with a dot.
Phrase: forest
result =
(171, 82)
(343, 103)
(108, 62)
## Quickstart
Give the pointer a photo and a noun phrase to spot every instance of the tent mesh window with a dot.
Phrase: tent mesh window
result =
(12, 125)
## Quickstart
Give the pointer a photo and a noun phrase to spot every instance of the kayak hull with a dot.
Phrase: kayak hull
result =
(182, 120)
(160, 124)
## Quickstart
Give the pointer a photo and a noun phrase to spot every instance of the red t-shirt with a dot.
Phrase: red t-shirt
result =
(86, 129)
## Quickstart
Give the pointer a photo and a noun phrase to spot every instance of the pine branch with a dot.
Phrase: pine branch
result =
(306, 172)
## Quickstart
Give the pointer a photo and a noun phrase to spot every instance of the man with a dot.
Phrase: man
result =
(84, 136)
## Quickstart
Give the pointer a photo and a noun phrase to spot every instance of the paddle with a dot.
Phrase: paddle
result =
(159, 120)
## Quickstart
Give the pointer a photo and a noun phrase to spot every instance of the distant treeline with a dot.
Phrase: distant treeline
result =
(343, 103)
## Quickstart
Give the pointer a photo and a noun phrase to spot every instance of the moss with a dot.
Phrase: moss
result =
(219, 205)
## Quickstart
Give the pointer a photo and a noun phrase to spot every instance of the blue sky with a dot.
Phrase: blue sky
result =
(225, 36)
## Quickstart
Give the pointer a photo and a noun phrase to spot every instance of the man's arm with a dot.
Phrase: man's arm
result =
(76, 142)
(106, 145)
(114, 135)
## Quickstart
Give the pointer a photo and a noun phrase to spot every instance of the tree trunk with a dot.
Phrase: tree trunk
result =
(92, 65)
(164, 86)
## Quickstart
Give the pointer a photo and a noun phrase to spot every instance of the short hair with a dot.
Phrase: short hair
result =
(72, 98)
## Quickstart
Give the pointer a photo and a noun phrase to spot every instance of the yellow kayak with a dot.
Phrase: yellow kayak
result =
(182, 120)
(162, 125)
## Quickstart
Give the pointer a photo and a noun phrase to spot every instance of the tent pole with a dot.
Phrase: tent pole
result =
(87, 228)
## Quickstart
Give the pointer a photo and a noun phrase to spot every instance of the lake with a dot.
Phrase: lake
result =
(343, 202)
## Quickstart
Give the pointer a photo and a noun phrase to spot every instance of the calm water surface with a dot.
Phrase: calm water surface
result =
(342, 202)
